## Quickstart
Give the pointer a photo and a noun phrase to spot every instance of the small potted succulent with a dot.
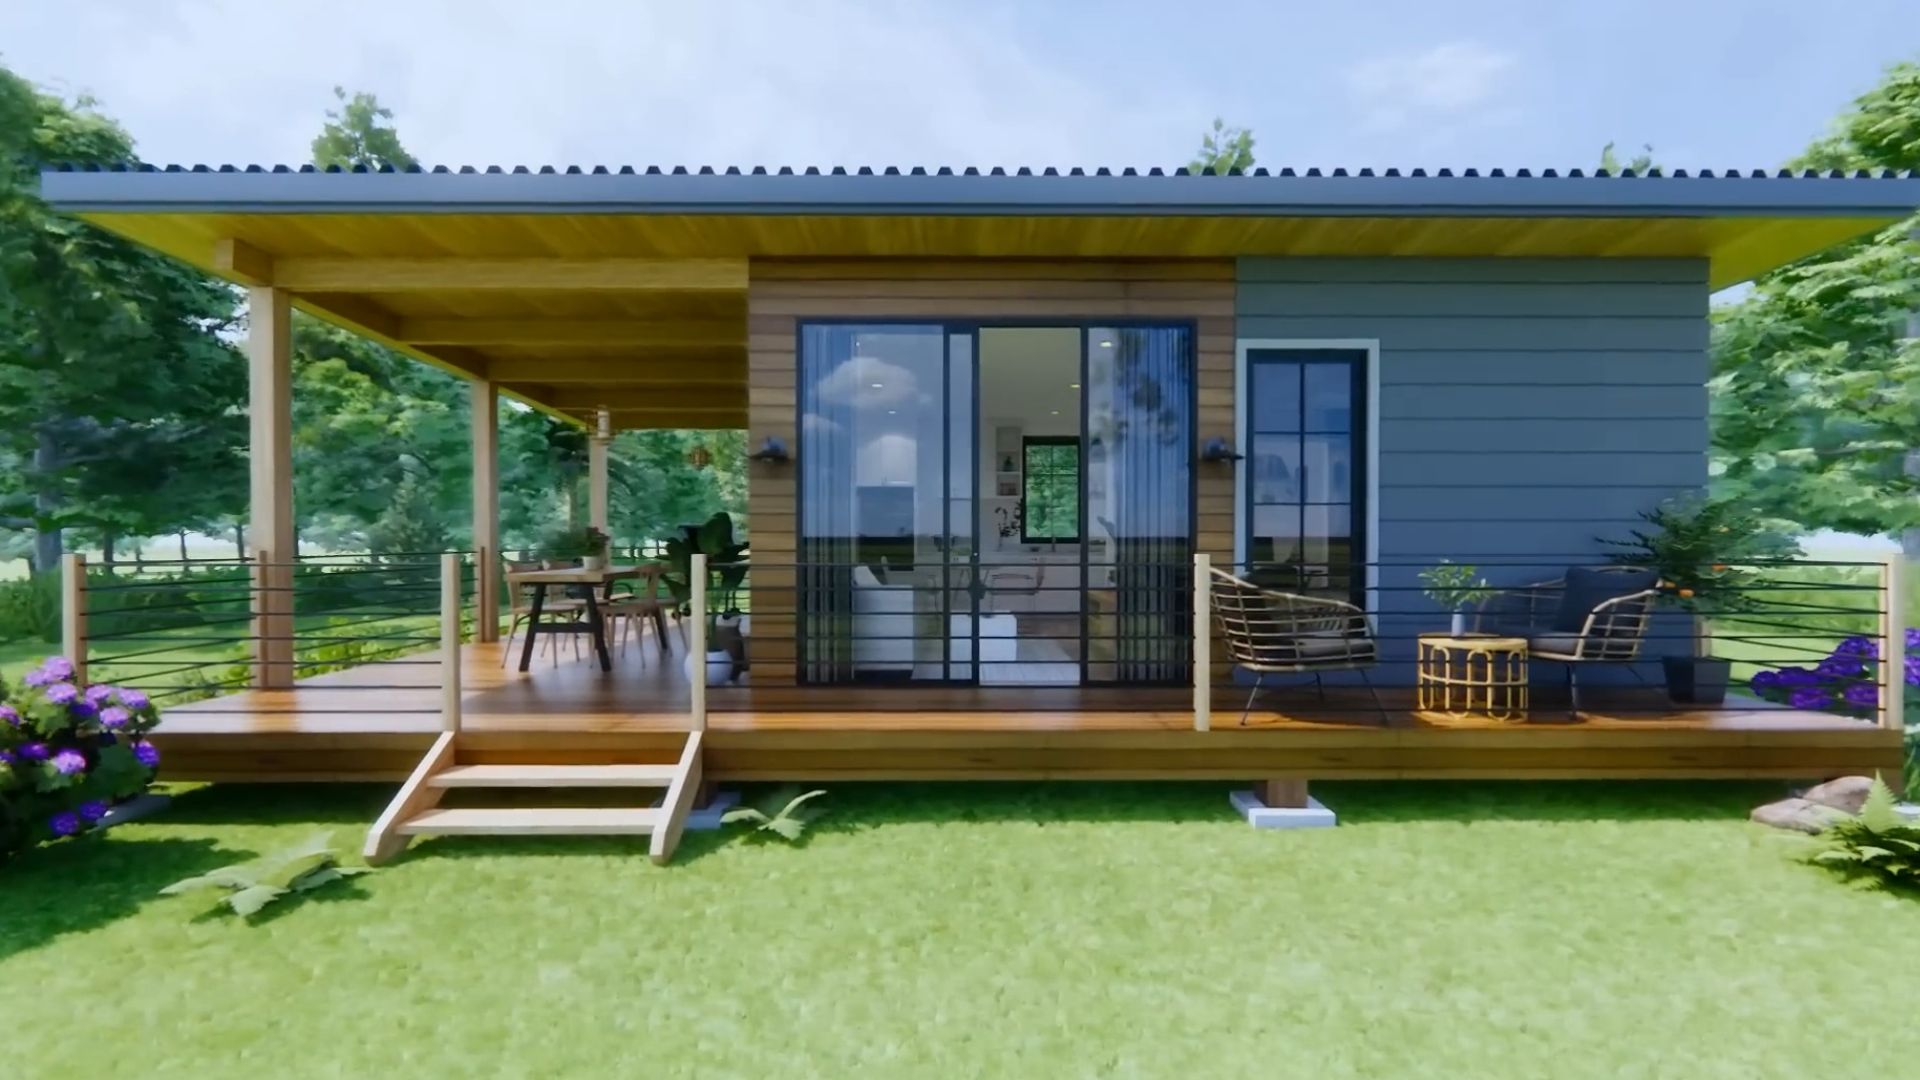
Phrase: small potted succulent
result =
(1705, 552)
(576, 544)
(1456, 587)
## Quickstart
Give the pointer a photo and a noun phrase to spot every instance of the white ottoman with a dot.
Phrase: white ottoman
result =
(997, 638)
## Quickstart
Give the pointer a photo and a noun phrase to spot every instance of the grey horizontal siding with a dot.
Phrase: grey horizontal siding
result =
(1579, 401)
(1376, 272)
(1529, 408)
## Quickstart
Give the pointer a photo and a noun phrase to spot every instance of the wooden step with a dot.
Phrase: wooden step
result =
(534, 821)
(555, 776)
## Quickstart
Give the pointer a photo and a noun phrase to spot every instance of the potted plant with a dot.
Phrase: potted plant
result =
(582, 544)
(726, 571)
(1455, 587)
(1705, 552)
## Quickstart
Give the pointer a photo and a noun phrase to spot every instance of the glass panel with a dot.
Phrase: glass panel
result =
(874, 503)
(1276, 468)
(1329, 400)
(962, 433)
(1276, 395)
(1329, 468)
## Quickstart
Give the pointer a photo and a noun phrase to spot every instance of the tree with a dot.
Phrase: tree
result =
(360, 134)
(1224, 148)
(1816, 388)
(1641, 163)
(118, 397)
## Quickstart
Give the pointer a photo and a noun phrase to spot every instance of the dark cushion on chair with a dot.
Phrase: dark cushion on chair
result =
(1587, 587)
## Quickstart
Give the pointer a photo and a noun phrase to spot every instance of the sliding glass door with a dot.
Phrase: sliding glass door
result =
(886, 503)
(1138, 495)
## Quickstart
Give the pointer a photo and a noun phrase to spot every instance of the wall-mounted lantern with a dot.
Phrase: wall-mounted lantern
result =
(772, 450)
(1218, 448)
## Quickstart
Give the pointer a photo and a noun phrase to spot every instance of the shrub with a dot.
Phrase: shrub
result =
(1846, 682)
(1878, 844)
(30, 608)
(68, 753)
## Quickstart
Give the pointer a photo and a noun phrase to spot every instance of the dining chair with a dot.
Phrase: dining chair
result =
(520, 610)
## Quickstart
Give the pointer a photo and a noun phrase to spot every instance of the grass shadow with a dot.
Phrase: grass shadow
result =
(80, 885)
(355, 805)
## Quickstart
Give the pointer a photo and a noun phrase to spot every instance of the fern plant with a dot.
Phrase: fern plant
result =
(252, 885)
(784, 813)
(1878, 844)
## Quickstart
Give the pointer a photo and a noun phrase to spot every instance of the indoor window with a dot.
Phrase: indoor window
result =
(1050, 490)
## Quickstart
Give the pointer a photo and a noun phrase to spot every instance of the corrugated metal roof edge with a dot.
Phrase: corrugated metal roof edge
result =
(994, 192)
(917, 170)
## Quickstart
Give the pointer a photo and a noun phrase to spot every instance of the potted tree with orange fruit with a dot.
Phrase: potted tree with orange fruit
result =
(1707, 553)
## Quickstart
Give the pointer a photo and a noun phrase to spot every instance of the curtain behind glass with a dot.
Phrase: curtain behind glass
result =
(1139, 490)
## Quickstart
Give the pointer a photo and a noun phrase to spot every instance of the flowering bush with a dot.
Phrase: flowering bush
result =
(1846, 682)
(67, 753)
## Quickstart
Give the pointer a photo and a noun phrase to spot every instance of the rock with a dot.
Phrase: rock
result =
(1801, 814)
(1847, 794)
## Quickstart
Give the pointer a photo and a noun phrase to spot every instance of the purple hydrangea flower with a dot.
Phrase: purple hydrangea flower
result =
(6, 757)
(65, 823)
(37, 678)
(1841, 666)
(1809, 698)
(1913, 637)
(1790, 677)
(133, 699)
(93, 810)
(1913, 671)
(10, 714)
(62, 694)
(69, 762)
(1858, 646)
(58, 667)
(98, 693)
(1764, 681)
(33, 751)
(1862, 695)
(147, 753)
(113, 717)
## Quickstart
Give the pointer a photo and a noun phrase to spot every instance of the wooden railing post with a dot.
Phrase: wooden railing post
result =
(1893, 642)
(73, 613)
(257, 579)
(697, 642)
(450, 642)
(1202, 642)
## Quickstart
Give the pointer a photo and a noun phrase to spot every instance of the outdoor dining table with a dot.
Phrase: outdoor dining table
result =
(596, 581)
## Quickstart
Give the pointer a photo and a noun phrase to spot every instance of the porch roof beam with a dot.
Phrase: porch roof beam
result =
(694, 398)
(655, 419)
(641, 332)
(377, 275)
(687, 369)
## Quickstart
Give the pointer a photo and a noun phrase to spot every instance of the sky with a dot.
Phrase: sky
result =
(1529, 83)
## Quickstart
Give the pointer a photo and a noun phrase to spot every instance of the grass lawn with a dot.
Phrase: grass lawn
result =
(1017, 930)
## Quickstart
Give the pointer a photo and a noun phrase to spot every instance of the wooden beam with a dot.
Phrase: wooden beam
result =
(662, 399)
(373, 275)
(676, 420)
(688, 370)
(270, 455)
(239, 261)
(485, 423)
(652, 333)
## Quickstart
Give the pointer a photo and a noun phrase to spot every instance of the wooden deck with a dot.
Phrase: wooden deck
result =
(374, 723)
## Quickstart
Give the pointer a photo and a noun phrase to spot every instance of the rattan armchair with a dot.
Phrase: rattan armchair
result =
(1589, 615)
(1268, 632)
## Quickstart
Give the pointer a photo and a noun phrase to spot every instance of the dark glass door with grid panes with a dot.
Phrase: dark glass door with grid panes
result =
(1305, 488)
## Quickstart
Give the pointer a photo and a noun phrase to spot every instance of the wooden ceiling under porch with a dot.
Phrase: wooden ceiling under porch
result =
(366, 724)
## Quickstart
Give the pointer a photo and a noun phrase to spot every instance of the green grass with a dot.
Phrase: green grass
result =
(1018, 930)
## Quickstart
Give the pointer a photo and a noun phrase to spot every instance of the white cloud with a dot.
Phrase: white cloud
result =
(1446, 85)
(606, 82)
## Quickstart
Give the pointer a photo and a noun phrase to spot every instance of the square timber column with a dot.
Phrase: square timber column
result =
(485, 397)
(597, 478)
(270, 459)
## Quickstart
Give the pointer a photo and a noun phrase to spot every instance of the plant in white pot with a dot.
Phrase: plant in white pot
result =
(582, 544)
(1456, 587)
(726, 571)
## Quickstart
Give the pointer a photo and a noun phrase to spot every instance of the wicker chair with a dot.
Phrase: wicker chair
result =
(1272, 632)
(1602, 618)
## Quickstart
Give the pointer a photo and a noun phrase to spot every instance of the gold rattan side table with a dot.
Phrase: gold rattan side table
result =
(1472, 677)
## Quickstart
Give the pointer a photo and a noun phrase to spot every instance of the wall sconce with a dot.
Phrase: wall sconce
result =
(774, 450)
(1219, 449)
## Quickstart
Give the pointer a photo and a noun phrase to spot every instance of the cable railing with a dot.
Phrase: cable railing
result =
(186, 633)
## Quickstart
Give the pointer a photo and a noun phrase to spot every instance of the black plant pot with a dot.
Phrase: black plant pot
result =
(1697, 680)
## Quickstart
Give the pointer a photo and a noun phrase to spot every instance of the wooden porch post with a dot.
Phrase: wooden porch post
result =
(1202, 641)
(485, 398)
(597, 471)
(450, 676)
(1893, 643)
(697, 641)
(270, 517)
(73, 613)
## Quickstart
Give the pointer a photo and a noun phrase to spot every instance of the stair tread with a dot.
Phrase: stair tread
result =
(555, 776)
(534, 821)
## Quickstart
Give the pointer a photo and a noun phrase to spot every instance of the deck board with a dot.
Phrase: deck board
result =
(372, 723)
